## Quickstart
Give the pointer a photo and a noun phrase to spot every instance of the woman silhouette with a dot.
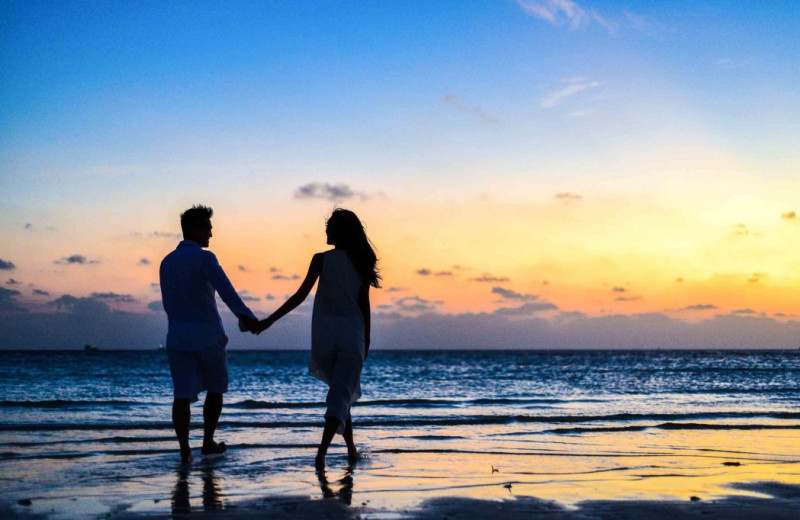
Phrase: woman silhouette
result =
(340, 325)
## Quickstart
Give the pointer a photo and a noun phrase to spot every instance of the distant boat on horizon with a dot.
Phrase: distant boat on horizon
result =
(90, 348)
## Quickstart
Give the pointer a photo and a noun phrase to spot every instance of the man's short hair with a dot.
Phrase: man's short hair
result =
(197, 215)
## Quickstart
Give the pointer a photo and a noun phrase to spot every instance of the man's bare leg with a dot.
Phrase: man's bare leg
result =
(212, 409)
(181, 416)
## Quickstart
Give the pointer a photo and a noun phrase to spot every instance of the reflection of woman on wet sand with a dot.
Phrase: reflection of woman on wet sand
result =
(340, 326)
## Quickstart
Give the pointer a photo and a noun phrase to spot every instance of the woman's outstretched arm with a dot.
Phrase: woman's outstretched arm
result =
(297, 298)
(363, 304)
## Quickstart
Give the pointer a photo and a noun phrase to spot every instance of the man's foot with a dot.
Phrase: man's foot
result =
(186, 456)
(215, 449)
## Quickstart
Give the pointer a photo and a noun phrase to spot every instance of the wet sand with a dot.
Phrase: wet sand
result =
(430, 484)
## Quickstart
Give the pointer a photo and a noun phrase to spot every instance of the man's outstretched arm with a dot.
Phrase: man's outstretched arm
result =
(220, 282)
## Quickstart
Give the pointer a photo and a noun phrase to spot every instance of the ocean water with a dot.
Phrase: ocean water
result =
(93, 424)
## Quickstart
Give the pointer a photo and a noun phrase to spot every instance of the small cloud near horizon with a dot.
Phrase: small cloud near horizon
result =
(415, 304)
(166, 234)
(700, 307)
(115, 297)
(568, 197)
(76, 260)
(8, 302)
(12, 281)
(486, 277)
(508, 294)
(247, 297)
(285, 277)
(423, 272)
(526, 309)
(39, 292)
(143, 261)
(7, 265)
(789, 215)
(327, 191)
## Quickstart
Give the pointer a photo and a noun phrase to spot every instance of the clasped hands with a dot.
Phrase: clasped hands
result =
(254, 326)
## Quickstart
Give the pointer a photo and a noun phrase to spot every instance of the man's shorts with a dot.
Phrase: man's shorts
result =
(197, 371)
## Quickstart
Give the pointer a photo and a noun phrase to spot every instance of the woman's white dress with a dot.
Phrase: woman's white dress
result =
(337, 334)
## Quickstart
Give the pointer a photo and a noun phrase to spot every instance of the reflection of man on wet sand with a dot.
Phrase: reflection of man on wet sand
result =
(211, 493)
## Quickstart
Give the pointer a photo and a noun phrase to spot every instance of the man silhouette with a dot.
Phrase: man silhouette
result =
(196, 341)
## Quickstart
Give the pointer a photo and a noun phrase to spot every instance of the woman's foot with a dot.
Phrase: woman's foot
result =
(352, 453)
(319, 461)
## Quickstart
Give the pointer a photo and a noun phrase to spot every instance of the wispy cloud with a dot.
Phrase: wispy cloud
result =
(474, 111)
(789, 215)
(326, 191)
(424, 272)
(7, 265)
(39, 292)
(12, 281)
(573, 87)
(565, 13)
(557, 12)
(143, 261)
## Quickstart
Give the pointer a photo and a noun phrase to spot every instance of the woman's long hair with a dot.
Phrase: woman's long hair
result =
(345, 230)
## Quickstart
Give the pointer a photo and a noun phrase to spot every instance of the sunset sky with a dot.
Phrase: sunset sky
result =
(512, 160)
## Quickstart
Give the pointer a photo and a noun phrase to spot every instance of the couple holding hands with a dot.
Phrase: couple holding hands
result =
(340, 326)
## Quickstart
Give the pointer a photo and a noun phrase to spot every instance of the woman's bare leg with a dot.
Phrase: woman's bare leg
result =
(352, 452)
(331, 425)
